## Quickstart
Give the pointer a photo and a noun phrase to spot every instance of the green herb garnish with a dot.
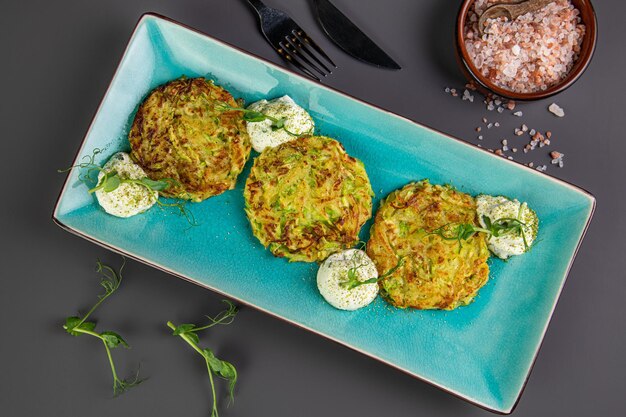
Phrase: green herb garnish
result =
(111, 181)
(464, 231)
(215, 366)
(353, 279)
(253, 116)
(76, 326)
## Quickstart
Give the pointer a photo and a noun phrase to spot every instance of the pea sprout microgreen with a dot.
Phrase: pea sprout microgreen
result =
(353, 280)
(111, 180)
(464, 231)
(76, 326)
(215, 367)
(252, 116)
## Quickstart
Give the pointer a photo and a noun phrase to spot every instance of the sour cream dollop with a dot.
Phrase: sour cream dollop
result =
(128, 199)
(333, 273)
(297, 121)
(508, 244)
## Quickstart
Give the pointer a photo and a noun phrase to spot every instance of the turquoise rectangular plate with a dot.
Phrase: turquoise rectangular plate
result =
(482, 352)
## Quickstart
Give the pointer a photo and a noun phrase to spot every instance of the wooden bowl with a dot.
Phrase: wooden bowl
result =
(485, 86)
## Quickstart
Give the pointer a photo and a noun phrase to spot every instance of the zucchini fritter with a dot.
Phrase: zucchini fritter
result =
(307, 198)
(435, 273)
(180, 132)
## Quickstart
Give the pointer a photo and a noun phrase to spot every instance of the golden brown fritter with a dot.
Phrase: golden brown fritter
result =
(434, 273)
(307, 198)
(181, 132)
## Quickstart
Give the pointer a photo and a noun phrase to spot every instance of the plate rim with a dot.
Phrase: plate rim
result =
(577, 189)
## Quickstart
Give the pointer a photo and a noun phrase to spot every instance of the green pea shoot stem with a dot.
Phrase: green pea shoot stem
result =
(76, 326)
(223, 369)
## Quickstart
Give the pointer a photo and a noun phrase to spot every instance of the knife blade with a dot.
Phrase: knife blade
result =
(349, 37)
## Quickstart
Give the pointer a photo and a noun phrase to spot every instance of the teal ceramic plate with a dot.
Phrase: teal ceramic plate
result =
(482, 352)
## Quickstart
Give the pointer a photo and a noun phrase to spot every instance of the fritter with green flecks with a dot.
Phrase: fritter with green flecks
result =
(181, 131)
(434, 272)
(307, 198)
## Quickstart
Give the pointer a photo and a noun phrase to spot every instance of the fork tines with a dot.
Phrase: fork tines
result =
(297, 46)
(291, 42)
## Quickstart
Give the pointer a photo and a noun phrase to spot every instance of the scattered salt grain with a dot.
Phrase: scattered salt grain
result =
(557, 158)
(518, 113)
(556, 110)
(468, 96)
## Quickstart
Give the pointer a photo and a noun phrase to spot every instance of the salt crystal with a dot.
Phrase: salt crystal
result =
(556, 110)
(518, 113)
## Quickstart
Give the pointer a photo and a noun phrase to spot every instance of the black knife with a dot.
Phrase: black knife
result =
(349, 37)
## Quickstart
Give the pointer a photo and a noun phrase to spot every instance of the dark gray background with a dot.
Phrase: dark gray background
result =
(56, 59)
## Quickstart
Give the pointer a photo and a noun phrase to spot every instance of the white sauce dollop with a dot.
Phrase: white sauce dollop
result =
(507, 244)
(333, 273)
(127, 199)
(297, 121)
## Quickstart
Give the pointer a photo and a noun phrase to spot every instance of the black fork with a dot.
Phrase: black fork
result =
(291, 42)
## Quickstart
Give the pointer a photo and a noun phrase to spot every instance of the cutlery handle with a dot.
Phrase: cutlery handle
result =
(258, 5)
